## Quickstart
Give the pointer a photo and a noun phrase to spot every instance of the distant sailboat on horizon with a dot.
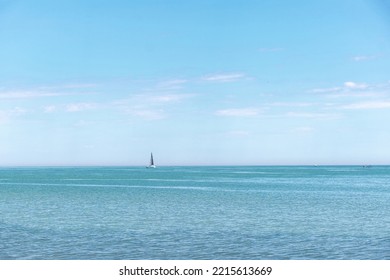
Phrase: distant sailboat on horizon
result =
(151, 165)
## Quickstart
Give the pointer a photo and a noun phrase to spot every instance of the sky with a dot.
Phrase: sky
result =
(220, 82)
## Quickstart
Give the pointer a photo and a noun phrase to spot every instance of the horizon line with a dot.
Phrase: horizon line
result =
(191, 165)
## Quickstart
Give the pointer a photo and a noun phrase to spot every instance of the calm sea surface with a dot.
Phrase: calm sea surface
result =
(326, 212)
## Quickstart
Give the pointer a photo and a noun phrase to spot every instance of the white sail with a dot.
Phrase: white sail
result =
(151, 165)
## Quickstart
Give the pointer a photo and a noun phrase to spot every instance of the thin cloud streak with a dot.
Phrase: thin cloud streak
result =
(69, 86)
(167, 98)
(238, 112)
(146, 114)
(172, 84)
(224, 78)
(368, 105)
(27, 94)
(353, 85)
(292, 104)
(359, 58)
(310, 115)
(46, 91)
(347, 86)
(303, 129)
(50, 109)
(149, 106)
(79, 107)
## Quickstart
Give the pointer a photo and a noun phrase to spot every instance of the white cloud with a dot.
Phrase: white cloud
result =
(241, 112)
(353, 85)
(225, 77)
(359, 58)
(78, 107)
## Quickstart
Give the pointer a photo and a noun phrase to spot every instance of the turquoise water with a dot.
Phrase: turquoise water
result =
(326, 212)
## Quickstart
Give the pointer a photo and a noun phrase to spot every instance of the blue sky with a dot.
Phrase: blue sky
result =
(196, 82)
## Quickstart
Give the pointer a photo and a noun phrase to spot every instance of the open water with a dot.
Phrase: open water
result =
(237, 212)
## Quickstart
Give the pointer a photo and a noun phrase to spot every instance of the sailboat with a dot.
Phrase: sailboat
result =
(151, 165)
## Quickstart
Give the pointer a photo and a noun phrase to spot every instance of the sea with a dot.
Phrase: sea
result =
(195, 213)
